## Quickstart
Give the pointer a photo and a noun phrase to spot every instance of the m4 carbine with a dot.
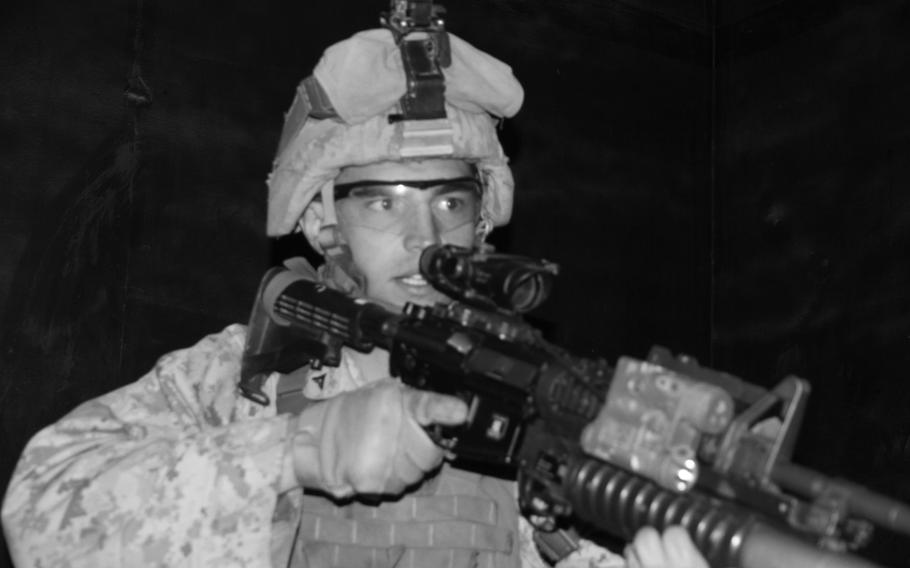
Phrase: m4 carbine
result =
(661, 441)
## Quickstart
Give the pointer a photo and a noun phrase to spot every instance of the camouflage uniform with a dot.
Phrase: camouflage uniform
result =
(175, 469)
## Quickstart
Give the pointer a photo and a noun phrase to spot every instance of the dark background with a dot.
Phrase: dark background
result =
(726, 178)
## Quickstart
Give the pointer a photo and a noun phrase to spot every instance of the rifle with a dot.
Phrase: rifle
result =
(656, 442)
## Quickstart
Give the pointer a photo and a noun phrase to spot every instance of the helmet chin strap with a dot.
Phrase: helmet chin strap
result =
(339, 271)
(482, 231)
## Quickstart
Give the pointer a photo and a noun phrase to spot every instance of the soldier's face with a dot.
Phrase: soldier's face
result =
(387, 222)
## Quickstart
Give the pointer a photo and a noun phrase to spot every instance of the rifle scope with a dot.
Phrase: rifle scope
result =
(489, 280)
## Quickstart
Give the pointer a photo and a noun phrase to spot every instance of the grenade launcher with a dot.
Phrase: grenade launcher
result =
(656, 442)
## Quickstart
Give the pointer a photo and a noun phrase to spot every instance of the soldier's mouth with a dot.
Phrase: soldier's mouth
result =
(416, 280)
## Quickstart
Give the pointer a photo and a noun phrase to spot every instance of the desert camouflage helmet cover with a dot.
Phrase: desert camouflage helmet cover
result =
(363, 78)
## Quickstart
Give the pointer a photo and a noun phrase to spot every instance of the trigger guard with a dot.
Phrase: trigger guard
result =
(438, 434)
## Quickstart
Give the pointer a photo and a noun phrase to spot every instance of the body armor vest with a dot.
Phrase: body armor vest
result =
(456, 519)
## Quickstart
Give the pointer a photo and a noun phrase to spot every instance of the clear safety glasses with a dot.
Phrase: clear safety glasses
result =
(398, 206)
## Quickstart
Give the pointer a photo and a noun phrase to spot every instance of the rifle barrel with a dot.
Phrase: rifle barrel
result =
(766, 547)
(881, 510)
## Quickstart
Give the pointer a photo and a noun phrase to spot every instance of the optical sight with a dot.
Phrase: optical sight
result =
(489, 280)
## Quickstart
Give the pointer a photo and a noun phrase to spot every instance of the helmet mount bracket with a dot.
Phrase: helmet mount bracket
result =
(423, 58)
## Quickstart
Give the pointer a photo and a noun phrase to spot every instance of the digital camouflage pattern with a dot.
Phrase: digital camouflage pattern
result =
(173, 470)
(176, 469)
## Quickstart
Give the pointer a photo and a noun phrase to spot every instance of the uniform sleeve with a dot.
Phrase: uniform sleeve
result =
(175, 469)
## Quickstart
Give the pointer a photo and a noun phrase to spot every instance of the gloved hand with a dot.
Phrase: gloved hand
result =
(672, 549)
(371, 440)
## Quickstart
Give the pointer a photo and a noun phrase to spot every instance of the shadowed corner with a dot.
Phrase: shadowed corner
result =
(64, 329)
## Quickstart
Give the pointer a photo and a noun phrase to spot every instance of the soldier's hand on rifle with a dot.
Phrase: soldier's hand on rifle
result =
(672, 549)
(371, 440)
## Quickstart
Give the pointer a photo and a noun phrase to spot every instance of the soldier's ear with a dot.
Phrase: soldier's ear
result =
(311, 224)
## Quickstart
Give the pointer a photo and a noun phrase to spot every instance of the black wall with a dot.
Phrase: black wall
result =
(813, 226)
(132, 229)
(813, 218)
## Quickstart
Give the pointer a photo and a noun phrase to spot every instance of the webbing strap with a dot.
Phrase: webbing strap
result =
(310, 100)
(326, 554)
(383, 534)
(415, 508)
(289, 397)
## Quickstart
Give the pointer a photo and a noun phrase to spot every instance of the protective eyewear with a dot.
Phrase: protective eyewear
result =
(396, 206)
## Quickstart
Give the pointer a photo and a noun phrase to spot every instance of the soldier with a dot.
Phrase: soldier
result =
(375, 163)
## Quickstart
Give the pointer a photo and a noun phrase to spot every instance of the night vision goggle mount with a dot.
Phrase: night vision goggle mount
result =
(423, 58)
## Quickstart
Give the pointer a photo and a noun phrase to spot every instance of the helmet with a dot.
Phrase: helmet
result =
(344, 115)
